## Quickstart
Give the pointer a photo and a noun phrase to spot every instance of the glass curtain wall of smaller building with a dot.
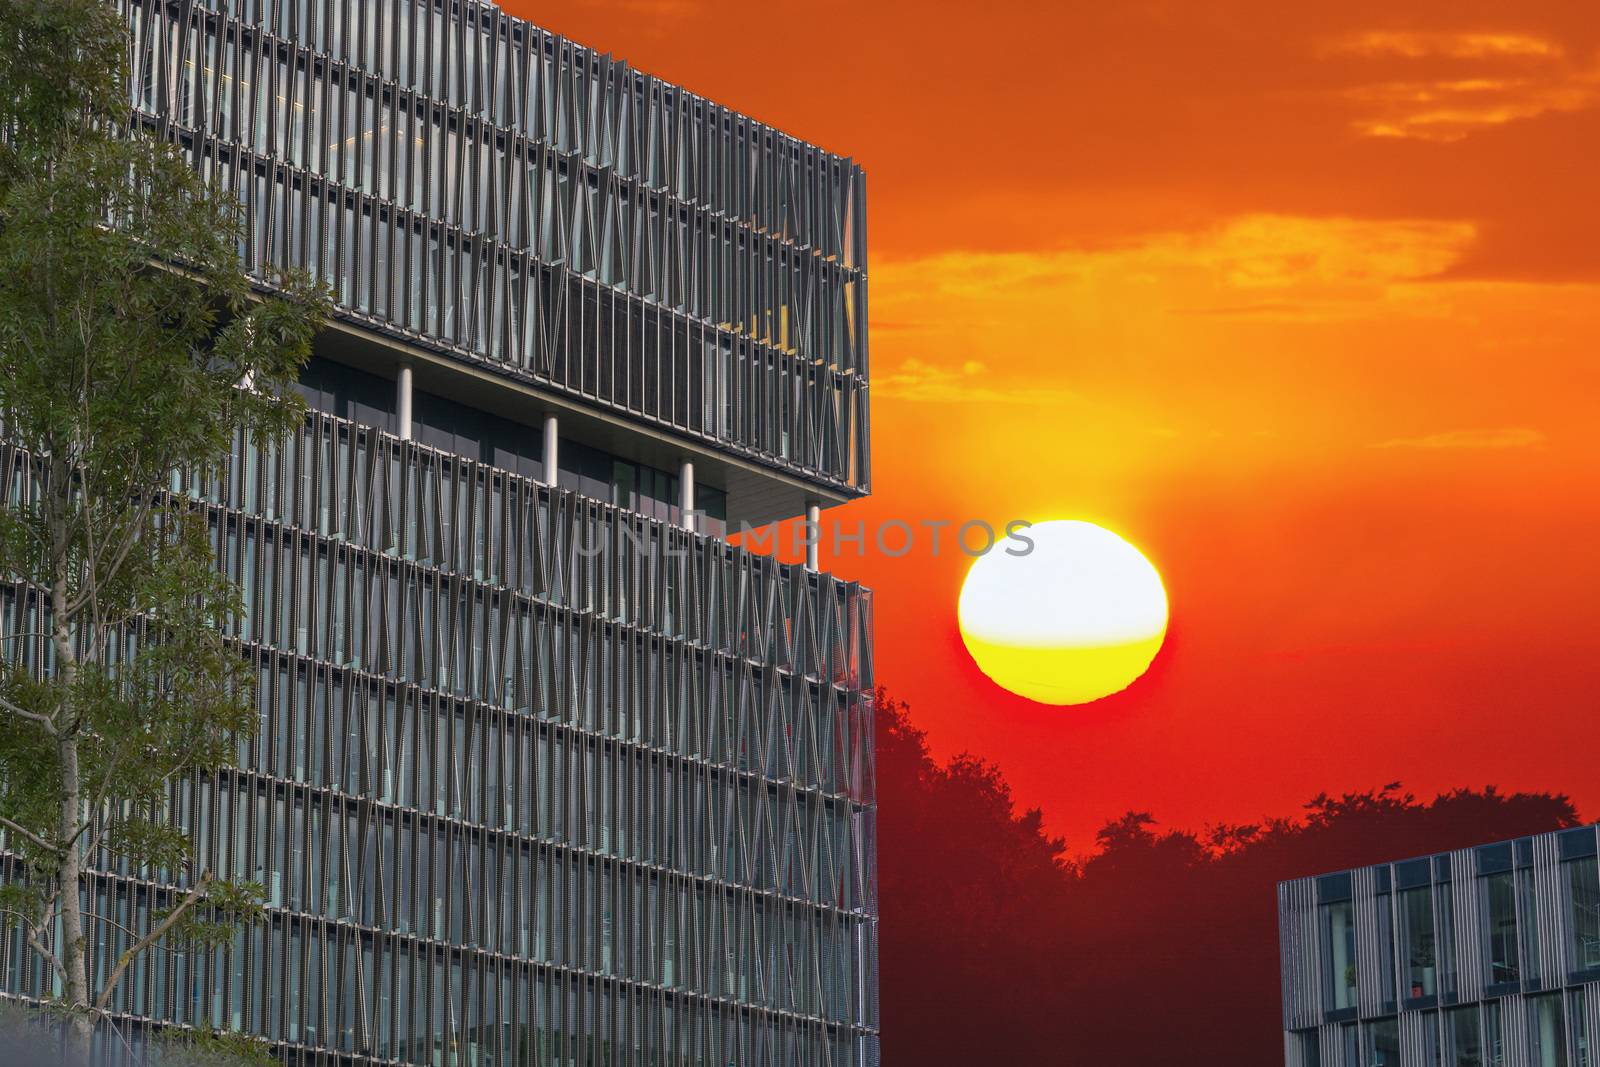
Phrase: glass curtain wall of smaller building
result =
(1482, 957)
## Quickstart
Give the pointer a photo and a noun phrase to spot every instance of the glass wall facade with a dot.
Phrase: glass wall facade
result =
(1483, 957)
(542, 778)
(538, 780)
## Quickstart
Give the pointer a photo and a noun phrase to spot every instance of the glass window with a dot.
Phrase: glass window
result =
(1466, 1042)
(1494, 1042)
(1444, 911)
(1386, 951)
(1310, 1050)
(714, 502)
(623, 478)
(348, 393)
(1383, 1043)
(1501, 899)
(1419, 959)
(1548, 1032)
(1580, 1026)
(1432, 1040)
(1583, 880)
(650, 492)
(1339, 952)
(1528, 920)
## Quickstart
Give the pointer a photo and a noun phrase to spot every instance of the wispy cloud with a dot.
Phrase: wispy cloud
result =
(1415, 45)
(1276, 267)
(1476, 440)
(1448, 110)
(1449, 85)
(1201, 341)
(1258, 252)
(918, 380)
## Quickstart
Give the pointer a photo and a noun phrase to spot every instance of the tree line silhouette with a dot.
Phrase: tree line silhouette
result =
(1158, 947)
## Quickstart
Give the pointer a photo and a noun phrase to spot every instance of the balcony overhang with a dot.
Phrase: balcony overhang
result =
(758, 492)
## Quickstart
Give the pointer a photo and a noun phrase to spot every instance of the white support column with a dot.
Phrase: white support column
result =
(552, 450)
(402, 402)
(686, 495)
(814, 526)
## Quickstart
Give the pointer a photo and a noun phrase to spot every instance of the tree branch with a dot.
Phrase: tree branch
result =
(18, 828)
(130, 932)
(104, 570)
(92, 577)
(101, 795)
(36, 941)
(47, 721)
(195, 896)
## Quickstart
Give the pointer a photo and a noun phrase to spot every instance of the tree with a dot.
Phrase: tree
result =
(132, 347)
(1023, 954)
(26, 1037)
(971, 894)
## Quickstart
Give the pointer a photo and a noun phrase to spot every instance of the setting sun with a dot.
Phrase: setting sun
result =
(1078, 618)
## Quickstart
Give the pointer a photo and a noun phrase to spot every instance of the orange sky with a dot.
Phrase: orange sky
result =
(1304, 300)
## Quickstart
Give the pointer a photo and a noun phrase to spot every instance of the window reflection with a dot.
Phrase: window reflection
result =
(1465, 1039)
(1583, 882)
(1310, 1050)
(1383, 1043)
(1548, 1032)
(1580, 1028)
(1501, 898)
(1493, 1036)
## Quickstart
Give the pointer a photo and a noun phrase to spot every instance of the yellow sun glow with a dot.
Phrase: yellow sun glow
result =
(1078, 618)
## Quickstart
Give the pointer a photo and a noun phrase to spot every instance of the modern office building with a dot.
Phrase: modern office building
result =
(548, 773)
(1482, 957)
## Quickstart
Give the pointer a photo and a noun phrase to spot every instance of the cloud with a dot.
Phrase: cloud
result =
(918, 380)
(1474, 440)
(1450, 85)
(1257, 252)
(1449, 110)
(1249, 267)
(1008, 329)
(1411, 45)
(1262, 324)
(1440, 109)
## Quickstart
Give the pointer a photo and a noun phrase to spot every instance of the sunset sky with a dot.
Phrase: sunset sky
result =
(1303, 300)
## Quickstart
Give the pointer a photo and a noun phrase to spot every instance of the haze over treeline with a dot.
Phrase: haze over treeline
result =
(1155, 946)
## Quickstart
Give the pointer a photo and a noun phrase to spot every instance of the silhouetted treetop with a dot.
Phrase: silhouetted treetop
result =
(997, 946)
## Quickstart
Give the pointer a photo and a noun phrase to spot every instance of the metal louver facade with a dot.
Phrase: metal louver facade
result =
(517, 203)
(1482, 957)
(538, 780)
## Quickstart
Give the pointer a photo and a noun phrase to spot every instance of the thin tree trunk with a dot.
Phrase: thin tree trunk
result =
(80, 1025)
